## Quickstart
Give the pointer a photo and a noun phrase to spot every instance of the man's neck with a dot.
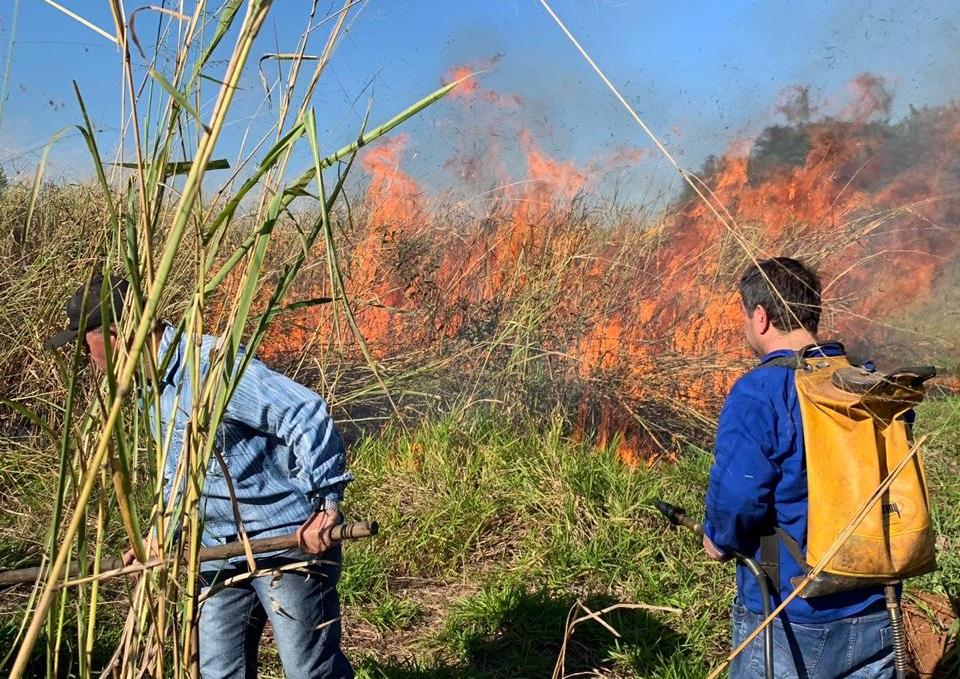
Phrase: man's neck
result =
(791, 341)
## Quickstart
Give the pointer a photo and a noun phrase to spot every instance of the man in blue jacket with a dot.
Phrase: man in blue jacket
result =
(286, 463)
(758, 481)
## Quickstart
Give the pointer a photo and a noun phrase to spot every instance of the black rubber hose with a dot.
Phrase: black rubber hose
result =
(678, 517)
(761, 577)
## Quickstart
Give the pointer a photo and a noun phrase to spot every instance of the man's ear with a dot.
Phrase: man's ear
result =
(760, 319)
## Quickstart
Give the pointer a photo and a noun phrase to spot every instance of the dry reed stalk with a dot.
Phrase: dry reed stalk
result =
(134, 227)
(559, 670)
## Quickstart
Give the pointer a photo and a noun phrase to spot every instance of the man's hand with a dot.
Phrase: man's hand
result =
(314, 535)
(714, 552)
(149, 548)
(129, 557)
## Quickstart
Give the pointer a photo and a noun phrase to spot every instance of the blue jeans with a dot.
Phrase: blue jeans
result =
(302, 607)
(859, 647)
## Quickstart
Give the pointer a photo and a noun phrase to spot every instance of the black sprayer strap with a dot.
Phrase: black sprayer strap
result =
(770, 560)
(793, 548)
(793, 361)
(798, 360)
(770, 555)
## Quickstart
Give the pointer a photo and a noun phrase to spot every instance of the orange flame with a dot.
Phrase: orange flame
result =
(648, 314)
(469, 90)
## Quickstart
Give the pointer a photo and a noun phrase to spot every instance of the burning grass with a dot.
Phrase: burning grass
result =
(495, 521)
(550, 294)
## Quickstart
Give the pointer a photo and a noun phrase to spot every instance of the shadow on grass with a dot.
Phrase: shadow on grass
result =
(524, 640)
(37, 665)
(12, 604)
(949, 664)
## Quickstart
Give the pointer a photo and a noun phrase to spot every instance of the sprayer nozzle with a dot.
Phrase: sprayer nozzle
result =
(671, 512)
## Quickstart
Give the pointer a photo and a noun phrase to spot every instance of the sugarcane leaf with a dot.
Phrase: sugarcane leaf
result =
(181, 166)
(178, 96)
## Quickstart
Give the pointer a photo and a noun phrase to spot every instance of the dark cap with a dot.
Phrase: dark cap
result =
(117, 291)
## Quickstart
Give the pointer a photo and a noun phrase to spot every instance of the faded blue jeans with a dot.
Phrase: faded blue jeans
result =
(859, 647)
(303, 609)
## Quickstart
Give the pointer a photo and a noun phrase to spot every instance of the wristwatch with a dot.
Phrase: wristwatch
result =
(326, 505)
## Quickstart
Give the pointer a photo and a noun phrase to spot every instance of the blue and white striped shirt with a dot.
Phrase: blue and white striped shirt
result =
(278, 441)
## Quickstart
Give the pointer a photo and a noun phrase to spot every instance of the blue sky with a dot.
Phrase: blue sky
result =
(700, 73)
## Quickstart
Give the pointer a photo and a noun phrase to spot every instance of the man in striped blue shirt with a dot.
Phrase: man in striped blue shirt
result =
(282, 461)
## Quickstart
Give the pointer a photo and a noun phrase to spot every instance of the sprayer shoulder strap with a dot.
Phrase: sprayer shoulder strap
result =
(793, 361)
(770, 544)
(793, 547)
(770, 555)
(798, 359)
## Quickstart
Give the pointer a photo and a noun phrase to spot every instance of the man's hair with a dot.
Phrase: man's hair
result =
(788, 291)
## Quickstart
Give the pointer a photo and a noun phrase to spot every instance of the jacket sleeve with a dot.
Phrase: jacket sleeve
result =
(743, 477)
(273, 404)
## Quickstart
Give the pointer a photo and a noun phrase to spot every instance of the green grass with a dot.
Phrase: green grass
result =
(515, 528)
(491, 533)
(941, 419)
(511, 528)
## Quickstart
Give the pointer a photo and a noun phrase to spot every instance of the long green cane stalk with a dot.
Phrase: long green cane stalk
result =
(256, 13)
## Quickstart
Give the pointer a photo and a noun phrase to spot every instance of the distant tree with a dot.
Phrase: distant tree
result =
(708, 170)
(778, 148)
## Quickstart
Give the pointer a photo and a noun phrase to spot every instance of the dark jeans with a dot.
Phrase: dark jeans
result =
(860, 647)
(302, 606)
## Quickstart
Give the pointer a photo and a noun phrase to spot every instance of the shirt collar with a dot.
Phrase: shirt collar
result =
(168, 346)
(812, 351)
